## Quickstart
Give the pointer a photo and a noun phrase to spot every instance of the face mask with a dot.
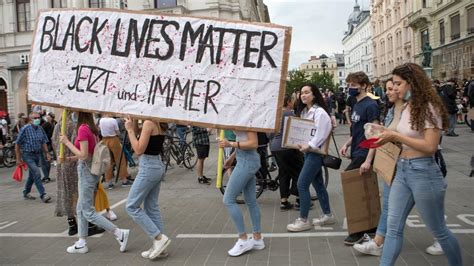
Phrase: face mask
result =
(354, 92)
(37, 122)
(407, 96)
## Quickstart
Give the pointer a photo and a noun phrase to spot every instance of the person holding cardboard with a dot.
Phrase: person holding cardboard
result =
(365, 110)
(313, 107)
(83, 149)
(418, 179)
(243, 179)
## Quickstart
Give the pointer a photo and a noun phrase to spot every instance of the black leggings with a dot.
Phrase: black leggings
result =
(289, 164)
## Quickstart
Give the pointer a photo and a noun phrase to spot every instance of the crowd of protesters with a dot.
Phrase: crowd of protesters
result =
(414, 110)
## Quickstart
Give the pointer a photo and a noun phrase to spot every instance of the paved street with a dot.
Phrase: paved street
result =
(201, 231)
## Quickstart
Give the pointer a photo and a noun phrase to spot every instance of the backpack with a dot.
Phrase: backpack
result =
(100, 159)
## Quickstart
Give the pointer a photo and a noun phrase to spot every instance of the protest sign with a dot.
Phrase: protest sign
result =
(199, 71)
(298, 131)
(385, 162)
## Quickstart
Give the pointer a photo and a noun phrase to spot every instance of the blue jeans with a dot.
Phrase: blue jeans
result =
(312, 173)
(33, 160)
(45, 166)
(146, 189)
(452, 123)
(382, 227)
(85, 203)
(419, 181)
(243, 179)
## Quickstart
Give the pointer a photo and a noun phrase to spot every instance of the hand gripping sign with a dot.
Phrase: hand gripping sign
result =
(199, 71)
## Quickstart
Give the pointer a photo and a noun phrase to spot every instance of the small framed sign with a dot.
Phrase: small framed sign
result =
(298, 131)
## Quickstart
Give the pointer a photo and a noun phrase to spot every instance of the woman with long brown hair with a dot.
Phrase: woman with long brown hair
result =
(418, 180)
(83, 149)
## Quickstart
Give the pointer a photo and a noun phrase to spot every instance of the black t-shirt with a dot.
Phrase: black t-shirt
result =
(351, 101)
(364, 111)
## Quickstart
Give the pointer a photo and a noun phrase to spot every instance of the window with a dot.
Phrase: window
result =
(123, 4)
(340, 74)
(441, 32)
(470, 20)
(96, 3)
(455, 31)
(58, 3)
(23, 15)
(424, 4)
(425, 38)
(165, 3)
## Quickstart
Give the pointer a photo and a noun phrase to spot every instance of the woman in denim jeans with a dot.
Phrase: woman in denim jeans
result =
(243, 179)
(418, 180)
(146, 187)
(83, 148)
(313, 107)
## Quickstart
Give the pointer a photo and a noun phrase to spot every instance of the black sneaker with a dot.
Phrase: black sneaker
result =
(46, 180)
(127, 183)
(94, 230)
(354, 238)
(45, 198)
(129, 178)
(110, 186)
(28, 197)
(204, 180)
(286, 205)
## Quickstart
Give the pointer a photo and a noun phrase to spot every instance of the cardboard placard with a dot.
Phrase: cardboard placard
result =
(298, 131)
(189, 70)
(361, 200)
(385, 162)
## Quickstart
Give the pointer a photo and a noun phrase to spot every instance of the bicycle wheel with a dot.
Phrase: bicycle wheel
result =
(189, 157)
(9, 159)
(225, 178)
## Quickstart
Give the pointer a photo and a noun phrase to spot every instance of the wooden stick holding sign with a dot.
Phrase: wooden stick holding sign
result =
(298, 131)
(220, 162)
(63, 132)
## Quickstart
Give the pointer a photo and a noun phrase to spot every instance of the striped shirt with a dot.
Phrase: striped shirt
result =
(31, 138)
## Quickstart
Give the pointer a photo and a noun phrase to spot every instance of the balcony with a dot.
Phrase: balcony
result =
(420, 18)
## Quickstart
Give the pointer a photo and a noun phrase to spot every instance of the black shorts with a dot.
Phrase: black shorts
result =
(202, 151)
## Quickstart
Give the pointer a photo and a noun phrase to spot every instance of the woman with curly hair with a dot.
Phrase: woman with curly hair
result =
(418, 179)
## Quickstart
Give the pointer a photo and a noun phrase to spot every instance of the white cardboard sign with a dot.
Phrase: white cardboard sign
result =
(298, 131)
(217, 73)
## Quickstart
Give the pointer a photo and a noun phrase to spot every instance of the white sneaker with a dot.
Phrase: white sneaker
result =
(159, 246)
(369, 247)
(435, 249)
(77, 250)
(111, 216)
(123, 239)
(324, 220)
(146, 254)
(299, 225)
(258, 244)
(240, 247)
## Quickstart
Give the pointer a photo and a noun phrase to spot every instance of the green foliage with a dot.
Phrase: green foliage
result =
(298, 78)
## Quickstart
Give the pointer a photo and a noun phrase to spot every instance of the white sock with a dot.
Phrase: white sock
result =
(118, 233)
(81, 243)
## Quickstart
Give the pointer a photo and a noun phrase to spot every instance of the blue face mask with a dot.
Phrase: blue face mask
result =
(37, 122)
(354, 92)
(407, 96)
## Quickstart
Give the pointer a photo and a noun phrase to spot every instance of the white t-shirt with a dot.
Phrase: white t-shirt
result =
(108, 127)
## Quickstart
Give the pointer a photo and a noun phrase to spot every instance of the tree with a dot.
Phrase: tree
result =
(296, 80)
(324, 80)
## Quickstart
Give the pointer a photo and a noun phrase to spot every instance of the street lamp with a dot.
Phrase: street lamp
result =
(323, 58)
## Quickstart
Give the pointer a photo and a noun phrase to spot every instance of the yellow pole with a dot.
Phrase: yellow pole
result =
(220, 163)
(63, 132)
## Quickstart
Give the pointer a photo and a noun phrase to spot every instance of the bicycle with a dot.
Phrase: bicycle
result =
(8, 154)
(265, 181)
(181, 152)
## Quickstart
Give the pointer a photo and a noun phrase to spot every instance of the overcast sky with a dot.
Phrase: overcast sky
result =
(318, 25)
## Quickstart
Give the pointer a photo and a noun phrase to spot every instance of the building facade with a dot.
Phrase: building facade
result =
(392, 39)
(448, 27)
(357, 43)
(18, 17)
(322, 64)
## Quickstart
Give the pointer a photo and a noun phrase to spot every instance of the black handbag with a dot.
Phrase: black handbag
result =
(330, 161)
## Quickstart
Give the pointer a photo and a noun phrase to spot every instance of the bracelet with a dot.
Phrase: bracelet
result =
(238, 145)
